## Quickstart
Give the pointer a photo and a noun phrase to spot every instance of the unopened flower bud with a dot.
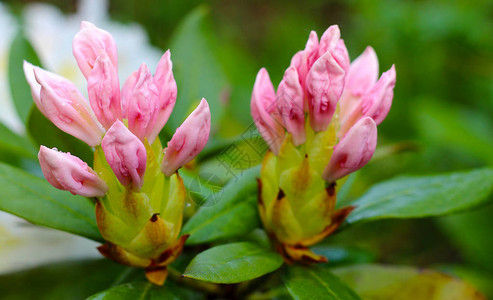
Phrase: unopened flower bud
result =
(88, 44)
(125, 154)
(189, 139)
(69, 173)
(65, 106)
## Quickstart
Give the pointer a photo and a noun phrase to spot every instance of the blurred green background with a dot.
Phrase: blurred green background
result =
(442, 115)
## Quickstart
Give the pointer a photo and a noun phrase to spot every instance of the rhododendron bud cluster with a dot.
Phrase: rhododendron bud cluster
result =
(139, 193)
(320, 125)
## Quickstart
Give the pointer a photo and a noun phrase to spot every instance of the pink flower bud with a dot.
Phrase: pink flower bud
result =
(354, 150)
(33, 84)
(166, 86)
(303, 60)
(104, 91)
(341, 55)
(331, 42)
(188, 140)
(290, 105)
(141, 96)
(64, 105)
(125, 154)
(88, 44)
(264, 111)
(376, 104)
(325, 83)
(363, 73)
(69, 173)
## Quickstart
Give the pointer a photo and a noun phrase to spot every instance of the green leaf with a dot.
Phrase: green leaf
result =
(35, 200)
(143, 290)
(230, 212)
(376, 282)
(45, 133)
(315, 283)
(16, 145)
(196, 69)
(70, 280)
(338, 255)
(21, 50)
(414, 197)
(233, 263)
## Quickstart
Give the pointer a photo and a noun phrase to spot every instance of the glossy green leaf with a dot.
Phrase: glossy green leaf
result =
(35, 200)
(377, 282)
(21, 50)
(414, 197)
(233, 263)
(144, 290)
(195, 67)
(200, 189)
(229, 213)
(315, 283)
(45, 133)
(70, 280)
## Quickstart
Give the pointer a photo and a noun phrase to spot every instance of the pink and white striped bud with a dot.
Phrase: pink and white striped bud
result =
(376, 104)
(290, 105)
(141, 96)
(264, 111)
(88, 44)
(166, 86)
(65, 106)
(189, 139)
(103, 88)
(33, 84)
(325, 83)
(125, 154)
(354, 150)
(69, 173)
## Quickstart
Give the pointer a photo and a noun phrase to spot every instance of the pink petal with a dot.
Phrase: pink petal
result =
(354, 150)
(325, 83)
(140, 102)
(189, 139)
(329, 40)
(303, 60)
(125, 154)
(363, 73)
(166, 85)
(33, 84)
(264, 111)
(88, 44)
(127, 90)
(290, 105)
(65, 106)
(341, 55)
(376, 104)
(69, 173)
(103, 87)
